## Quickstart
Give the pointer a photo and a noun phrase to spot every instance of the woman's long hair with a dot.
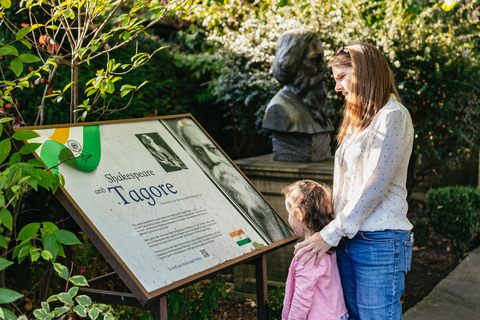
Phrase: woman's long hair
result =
(372, 83)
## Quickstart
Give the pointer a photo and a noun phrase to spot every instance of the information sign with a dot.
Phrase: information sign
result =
(164, 201)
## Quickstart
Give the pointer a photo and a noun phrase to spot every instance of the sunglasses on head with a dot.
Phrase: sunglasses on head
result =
(342, 50)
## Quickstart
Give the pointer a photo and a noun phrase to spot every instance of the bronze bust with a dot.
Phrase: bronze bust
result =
(298, 115)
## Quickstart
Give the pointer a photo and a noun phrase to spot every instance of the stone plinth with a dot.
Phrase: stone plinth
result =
(301, 147)
(270, 177)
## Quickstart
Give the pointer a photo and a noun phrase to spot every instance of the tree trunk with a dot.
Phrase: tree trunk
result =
(74, 89)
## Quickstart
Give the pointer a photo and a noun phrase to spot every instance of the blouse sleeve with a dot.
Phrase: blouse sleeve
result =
(392, 139)
(306, 276)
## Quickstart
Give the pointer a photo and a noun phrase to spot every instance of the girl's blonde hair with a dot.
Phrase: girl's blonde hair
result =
(372, 83)
(313, 199)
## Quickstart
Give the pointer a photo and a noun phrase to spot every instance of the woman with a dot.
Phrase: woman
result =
(370, 227)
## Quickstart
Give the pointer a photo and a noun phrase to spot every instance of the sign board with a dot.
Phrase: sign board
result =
(159, 199)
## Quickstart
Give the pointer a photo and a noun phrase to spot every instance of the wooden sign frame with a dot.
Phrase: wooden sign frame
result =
(105, 247)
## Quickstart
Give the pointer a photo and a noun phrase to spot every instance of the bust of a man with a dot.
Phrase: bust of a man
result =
(299, 110)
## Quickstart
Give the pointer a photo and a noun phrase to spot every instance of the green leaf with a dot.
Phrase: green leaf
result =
(26, 44)
(47, 255)
(52, 298)
(45, 306)
(24, 252)
(61, 270)
(65, 298)
(6, 4)
(79, 281)
(126, 36)
(50, 244)
(14, 159)
(8, 315)
(28, 231)
(22, 33)
(67, 86)
(20, 247)
(7, 295)
(49, 227)
(4, 263)
(73, 291)
(283, 3)
(40, 313)
(17, 66)
(108, 316)
(36, 163)
(5, 147)
(34, 254)
(6, 218)
(84, 300)
(28, 58)
(80, 310)
(8, 50)
(143, 83)
(29, 148)
(61, 310)
(25, 135)
(93, 313)
(66, 237)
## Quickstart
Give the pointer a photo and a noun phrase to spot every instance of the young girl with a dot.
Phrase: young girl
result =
(311, 293)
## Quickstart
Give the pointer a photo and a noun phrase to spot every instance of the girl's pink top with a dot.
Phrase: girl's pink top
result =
(313, 293)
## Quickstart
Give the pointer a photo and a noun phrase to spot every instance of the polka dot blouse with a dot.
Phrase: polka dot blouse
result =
(369, 184)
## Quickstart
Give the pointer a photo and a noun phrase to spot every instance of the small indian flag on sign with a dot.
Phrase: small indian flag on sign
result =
(240, 237)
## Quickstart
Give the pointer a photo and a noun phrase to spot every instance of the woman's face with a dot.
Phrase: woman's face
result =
(343, 80)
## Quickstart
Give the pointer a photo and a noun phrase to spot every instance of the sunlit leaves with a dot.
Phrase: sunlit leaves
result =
(22, 33)
(6, 4)
(25, 135)
(448, 5)
(8, 50)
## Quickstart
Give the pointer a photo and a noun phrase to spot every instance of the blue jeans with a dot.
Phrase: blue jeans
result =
(372, 269)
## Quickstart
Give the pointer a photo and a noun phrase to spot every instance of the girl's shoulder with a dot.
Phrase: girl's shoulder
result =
(325, 263)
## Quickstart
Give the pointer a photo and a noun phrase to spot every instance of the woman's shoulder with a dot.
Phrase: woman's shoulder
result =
(393, 109)
(394, 105)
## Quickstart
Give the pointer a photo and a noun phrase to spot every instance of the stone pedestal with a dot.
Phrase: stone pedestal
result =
(301, 147)
(270, 177)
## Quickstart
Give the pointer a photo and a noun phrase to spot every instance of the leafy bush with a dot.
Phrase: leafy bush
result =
(275, 303)
(455, 211)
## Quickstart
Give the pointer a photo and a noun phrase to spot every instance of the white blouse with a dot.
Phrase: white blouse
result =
(370, 174)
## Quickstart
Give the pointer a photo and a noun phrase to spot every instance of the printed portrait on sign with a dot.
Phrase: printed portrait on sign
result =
(230, 180)
(159, 149)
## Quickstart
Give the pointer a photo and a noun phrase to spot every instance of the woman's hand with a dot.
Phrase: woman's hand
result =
(315, 243)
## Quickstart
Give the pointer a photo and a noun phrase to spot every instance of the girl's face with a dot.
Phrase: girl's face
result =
(343, 80)
(294, 219)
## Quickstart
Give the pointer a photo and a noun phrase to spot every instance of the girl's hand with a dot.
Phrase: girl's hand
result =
(315, 243)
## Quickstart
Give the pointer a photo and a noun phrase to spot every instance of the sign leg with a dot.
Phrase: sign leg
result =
(262, 291)
(160, 309)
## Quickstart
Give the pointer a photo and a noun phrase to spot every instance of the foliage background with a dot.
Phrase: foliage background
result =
(217, 67)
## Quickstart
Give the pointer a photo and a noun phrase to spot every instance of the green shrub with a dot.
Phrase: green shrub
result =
(455, 212)
(421, 229)
(275, 303)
